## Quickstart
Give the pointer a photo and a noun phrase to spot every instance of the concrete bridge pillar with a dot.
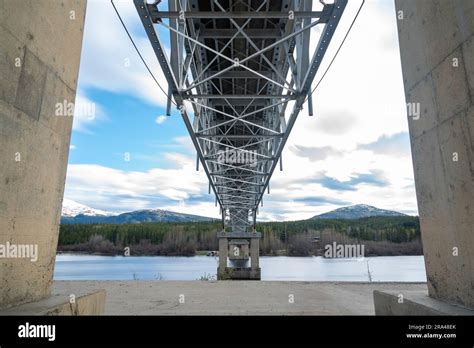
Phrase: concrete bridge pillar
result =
(223, 254)
(238, 268)
(254, 253)
(437, 56)
(40, 50)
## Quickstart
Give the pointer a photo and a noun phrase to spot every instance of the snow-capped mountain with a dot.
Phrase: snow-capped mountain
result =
(155, 215)
(76, 213)
(72, 209)
(356, 212)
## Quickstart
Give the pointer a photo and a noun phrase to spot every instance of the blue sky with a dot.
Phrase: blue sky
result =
(130, 156)
(129, 127)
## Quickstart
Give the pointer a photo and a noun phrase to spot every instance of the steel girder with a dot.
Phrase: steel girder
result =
(238, 64)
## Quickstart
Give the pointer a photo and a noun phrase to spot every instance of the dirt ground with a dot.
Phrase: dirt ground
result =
(236, 297)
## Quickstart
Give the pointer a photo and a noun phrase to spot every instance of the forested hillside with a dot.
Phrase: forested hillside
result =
(396, 235)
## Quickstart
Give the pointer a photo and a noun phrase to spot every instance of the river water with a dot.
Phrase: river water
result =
(382, 268)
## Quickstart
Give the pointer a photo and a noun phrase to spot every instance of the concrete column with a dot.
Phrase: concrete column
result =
(437, 55)
(244, 250)
(254, 253)
(40, 49)
(223, 253)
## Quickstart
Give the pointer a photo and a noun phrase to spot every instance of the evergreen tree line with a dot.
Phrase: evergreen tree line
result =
(381, 235)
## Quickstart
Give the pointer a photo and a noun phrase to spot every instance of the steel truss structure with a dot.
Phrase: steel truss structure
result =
(239, 64)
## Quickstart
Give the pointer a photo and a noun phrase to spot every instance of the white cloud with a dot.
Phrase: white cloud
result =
(109, 60)
(396, 145)
(161, 119)
(117, 190)
(72, 147)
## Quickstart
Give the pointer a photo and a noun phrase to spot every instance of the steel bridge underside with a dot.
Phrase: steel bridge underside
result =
(239, 71)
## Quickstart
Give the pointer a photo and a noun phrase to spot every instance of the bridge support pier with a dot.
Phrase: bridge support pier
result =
(437, 55)
(223, 254)
(40, 45)
(254, 252)
(238, 268)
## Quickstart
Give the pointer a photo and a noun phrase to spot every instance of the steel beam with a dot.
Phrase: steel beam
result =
(229, 33)
(158, 15)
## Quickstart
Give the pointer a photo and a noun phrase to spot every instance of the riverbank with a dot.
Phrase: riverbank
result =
(236, 298)
(99, 246)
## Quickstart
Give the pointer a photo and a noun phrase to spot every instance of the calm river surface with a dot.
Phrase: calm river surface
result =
(382, 268)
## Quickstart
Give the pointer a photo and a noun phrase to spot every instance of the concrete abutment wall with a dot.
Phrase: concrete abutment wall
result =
(437, 55)
(40, 50)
